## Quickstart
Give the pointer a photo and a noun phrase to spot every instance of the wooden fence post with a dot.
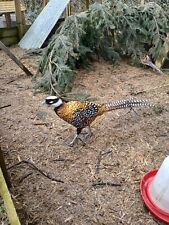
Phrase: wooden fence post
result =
(68, 10)
(19, 18)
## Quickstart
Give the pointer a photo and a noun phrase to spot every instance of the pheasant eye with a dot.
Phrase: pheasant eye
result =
(51, 102)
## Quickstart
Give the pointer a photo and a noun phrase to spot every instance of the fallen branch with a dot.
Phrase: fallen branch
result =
(15, 59)
(50, 70)
(10, 81)
(32, 165)
(5, 106)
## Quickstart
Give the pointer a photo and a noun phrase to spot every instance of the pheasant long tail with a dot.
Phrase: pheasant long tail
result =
(128, 103)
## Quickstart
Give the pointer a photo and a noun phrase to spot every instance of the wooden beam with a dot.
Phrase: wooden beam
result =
(9, 40)
(9, 206)
(68, 10)
(3, 167)
(8, 32)
(8, 19)
(15, 59)
(20, 21)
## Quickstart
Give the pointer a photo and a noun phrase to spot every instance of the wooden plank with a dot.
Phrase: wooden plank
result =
(9, 40)
(15, 59)
(20, 21)
(9, 6)
(9, 206)
(8, 19)
(42, 26)
(8, 32)
(3, 21)
(68, 10)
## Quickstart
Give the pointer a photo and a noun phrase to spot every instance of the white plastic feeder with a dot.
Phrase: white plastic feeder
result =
(154, 189)
(159, 188)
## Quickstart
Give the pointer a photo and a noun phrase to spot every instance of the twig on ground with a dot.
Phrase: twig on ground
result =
(10, 81)
(123, 221)
(61, 160)
(32, 165)
(24, 176)
(101, 184)
(132, 110)
(5, 106)
(99, 158)
(41, 123)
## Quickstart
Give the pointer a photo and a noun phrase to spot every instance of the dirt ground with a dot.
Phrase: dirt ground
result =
(130, 145)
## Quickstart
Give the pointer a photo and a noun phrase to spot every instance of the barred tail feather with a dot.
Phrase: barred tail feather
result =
(126, 103)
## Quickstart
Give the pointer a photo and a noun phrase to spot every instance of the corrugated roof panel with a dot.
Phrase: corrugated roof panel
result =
(42, 26)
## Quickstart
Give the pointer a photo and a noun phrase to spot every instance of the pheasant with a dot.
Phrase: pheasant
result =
(81, 114)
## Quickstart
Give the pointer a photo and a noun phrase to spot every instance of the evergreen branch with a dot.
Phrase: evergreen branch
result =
(50, 70)
(108, 30)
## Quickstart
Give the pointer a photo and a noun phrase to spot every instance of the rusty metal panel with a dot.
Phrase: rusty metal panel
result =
(42, 26)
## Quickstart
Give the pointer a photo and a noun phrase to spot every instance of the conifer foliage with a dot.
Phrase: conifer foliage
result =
(109, 30)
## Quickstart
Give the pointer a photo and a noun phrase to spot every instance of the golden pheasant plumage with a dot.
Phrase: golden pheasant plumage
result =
(81, 114)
